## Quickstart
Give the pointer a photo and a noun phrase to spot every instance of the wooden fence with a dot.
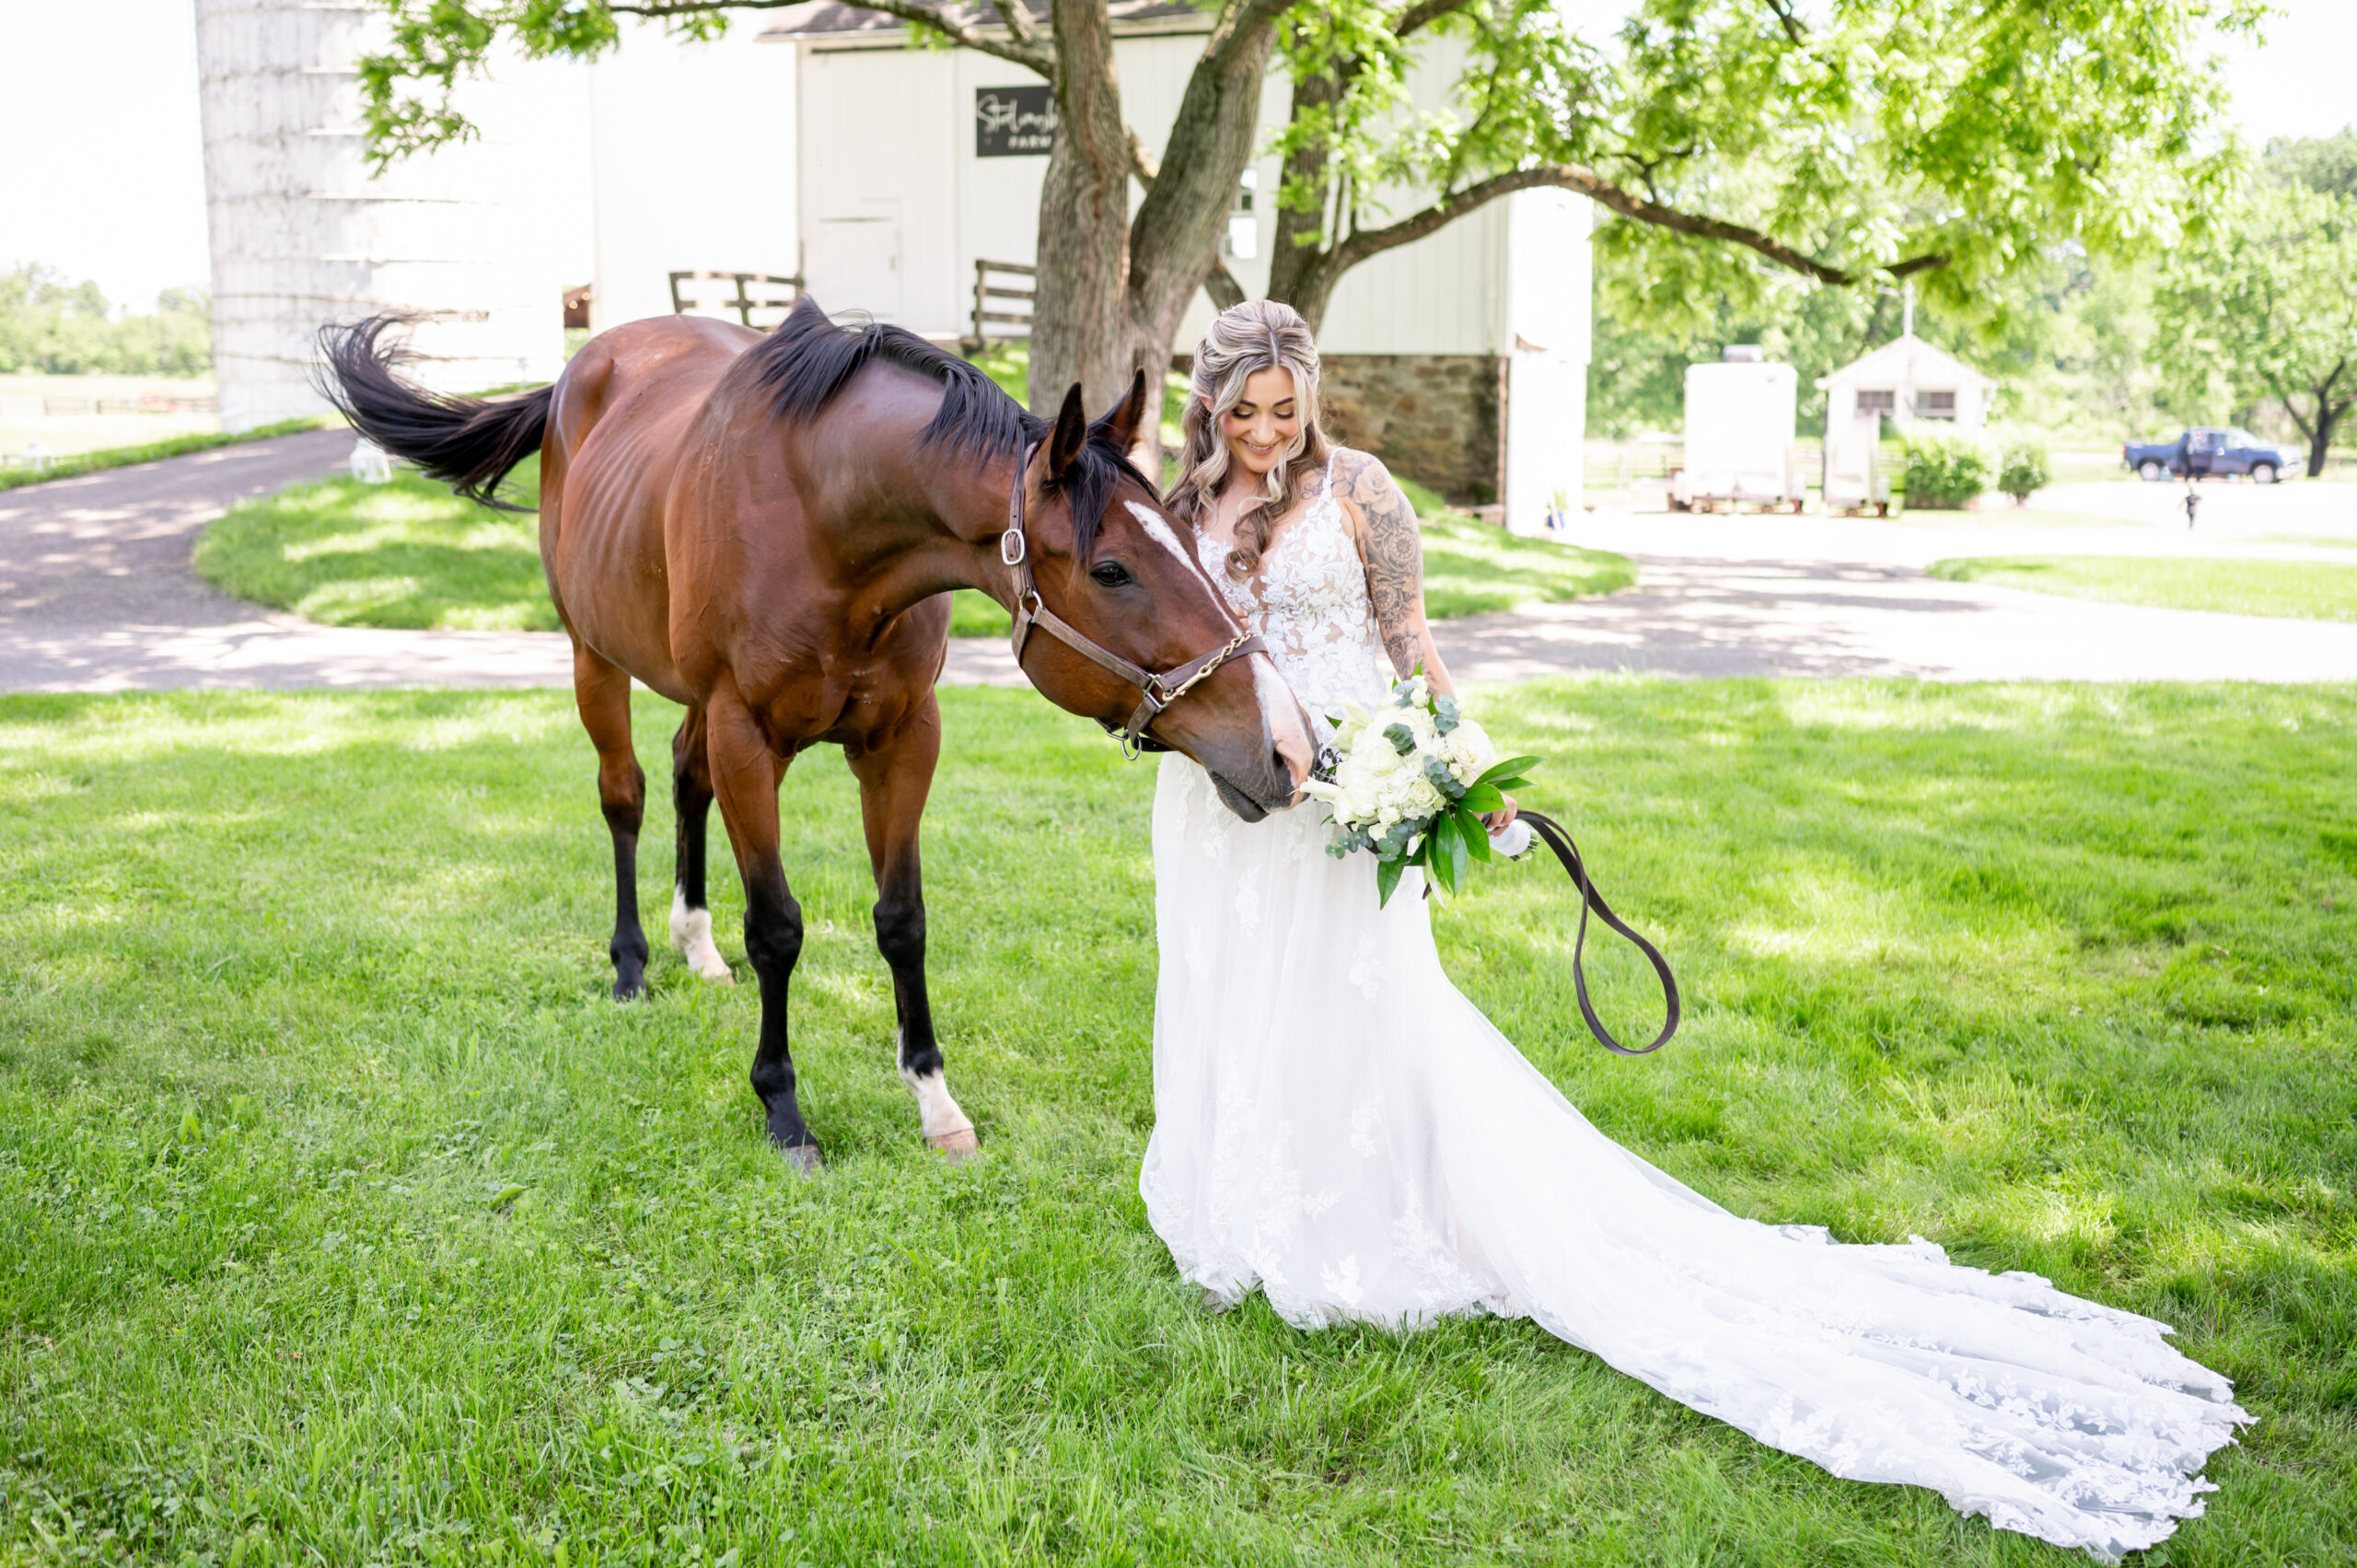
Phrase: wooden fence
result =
(987, 290)
(752, 291)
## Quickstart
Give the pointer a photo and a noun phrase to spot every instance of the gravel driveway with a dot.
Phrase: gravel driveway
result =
(96, 595)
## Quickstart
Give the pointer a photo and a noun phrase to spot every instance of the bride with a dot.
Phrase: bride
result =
(1339, 1127)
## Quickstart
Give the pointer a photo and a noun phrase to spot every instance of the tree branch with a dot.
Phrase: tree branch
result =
(1241, 28)
(1792, 23)
(1422, 14)
(1016, 15)
(1141, 168)
(1587, 182)
(1220, 285)
(1025, 48)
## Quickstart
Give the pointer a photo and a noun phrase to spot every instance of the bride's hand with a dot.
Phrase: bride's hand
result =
(1499, 821)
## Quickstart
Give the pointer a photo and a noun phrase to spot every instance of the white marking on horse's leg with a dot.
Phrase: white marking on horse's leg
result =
(691, 935)
(945, 1127)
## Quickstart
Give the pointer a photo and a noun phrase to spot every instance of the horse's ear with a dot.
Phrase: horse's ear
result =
(1070, 434)
(1120, 424)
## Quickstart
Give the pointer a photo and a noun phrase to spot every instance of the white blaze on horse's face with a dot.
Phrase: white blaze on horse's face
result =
(1281, 711)
(1157, 527)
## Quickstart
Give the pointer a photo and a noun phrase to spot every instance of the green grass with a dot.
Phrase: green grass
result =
(2307, 590)
(148, 452)
(405, 553)
(348, 1222)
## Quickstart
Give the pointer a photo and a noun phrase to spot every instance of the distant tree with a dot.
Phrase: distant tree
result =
(2266, 309)
(1847, 142)
(2327, 165)
(51, 327)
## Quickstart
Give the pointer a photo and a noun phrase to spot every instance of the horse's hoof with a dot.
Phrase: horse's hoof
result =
(956, 1149)
(804, 1157)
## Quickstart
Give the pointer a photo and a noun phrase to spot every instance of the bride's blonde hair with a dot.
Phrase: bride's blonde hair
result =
(1259, 334)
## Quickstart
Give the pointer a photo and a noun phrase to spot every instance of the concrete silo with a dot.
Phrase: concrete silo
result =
(301, 234)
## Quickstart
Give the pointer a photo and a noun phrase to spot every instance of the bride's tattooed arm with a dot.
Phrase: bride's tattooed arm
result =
(1392, 546)
(1393, 549)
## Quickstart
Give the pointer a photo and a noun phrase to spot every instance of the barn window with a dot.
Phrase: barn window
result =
(1878, 402)
(1936, 405)
(1243, 225)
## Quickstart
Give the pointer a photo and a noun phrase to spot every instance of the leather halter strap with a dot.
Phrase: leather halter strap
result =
(1156, 692)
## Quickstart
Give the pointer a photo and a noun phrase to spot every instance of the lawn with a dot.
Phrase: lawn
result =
(405, 553)
(348, 1223)
(147, 451)
(410, 554)
(2307, 590)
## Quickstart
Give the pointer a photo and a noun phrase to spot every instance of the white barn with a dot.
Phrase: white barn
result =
(1461, 359)
(817, 143)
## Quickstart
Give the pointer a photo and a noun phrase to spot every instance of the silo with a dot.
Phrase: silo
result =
(301, 234)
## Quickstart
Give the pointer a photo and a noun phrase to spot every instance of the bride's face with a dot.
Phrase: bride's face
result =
(1262, 422)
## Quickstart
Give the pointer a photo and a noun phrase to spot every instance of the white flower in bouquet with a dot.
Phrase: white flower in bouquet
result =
(1409, 782)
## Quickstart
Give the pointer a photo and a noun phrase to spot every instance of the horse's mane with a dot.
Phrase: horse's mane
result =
(807, 360)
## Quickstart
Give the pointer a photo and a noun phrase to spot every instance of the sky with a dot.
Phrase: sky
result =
(102, 175)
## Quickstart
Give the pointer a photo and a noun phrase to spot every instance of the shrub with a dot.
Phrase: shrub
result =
(2022, 469)
(1945, 471)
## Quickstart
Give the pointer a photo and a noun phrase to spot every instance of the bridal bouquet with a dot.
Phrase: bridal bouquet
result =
(1408, 784)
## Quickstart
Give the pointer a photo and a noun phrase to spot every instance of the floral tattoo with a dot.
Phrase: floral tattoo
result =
(1394, 556)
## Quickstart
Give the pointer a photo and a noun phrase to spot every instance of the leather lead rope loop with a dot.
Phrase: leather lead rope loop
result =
(1553, 834)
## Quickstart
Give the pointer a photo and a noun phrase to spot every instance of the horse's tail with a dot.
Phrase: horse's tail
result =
(468, 443)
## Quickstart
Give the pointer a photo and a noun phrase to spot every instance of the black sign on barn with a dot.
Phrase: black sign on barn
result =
(1014, 121)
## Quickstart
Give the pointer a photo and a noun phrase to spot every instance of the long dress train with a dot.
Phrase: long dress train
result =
(1339, 1127)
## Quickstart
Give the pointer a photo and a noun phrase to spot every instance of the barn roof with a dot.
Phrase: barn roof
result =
(823, 19)
(1907, 360)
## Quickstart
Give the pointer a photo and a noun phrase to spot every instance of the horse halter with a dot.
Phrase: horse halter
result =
(1155, 693)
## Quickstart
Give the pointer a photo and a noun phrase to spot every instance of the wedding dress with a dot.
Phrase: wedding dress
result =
(1337, 1126)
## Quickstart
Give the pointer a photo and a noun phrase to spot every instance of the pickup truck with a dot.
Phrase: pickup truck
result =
(2205, 454)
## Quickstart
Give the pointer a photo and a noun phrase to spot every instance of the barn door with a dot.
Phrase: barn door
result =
(854, 262)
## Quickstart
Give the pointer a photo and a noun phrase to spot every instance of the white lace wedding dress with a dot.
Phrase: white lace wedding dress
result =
(1337, 1125)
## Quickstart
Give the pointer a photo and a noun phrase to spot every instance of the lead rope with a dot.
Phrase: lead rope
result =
(1553, 834)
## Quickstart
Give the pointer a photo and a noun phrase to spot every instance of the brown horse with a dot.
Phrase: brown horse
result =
(765, 528)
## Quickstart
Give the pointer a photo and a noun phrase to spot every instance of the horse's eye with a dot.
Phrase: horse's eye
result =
(1111, 574)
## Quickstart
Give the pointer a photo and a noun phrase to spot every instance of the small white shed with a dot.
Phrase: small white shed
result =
(1908, 381)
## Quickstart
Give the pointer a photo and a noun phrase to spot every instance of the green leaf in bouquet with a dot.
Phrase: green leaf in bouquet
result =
(1402, 738)
(1469, 828)
(1481, 797)
(1507, 769)
(1446, 716)
(1387, 878)
(1436, 774)
(1449, 855)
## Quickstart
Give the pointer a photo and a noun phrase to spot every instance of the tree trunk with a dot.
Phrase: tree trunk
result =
(1079, 326)
(1301, 244)
(2326, 417)
(1175, 239)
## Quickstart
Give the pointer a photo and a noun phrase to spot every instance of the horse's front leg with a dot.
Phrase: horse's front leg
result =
(744, 776)
(895, 772)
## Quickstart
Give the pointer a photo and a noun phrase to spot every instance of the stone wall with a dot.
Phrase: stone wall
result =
(1436, 418)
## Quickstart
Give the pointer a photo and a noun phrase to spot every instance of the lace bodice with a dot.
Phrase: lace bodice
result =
(1309, 602)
